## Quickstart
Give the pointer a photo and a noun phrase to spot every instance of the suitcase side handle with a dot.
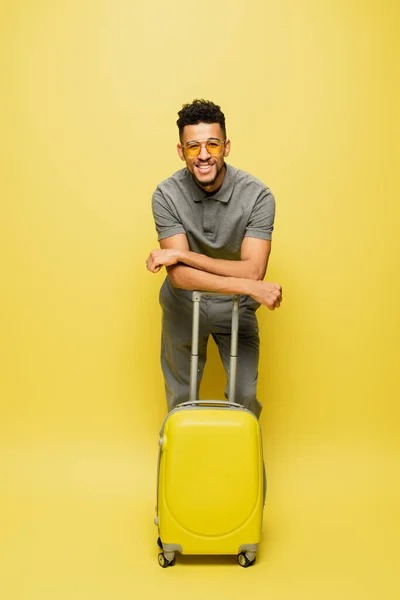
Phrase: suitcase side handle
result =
(194, 357)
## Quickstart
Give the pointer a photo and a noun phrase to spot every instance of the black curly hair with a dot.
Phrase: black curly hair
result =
(200, 111)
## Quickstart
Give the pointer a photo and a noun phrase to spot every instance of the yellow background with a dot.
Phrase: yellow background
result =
(90, 92)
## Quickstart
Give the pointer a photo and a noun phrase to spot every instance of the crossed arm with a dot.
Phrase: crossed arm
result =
(190, 270)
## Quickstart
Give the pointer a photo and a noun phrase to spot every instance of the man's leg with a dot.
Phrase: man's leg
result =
(248, 353)
(176, 340)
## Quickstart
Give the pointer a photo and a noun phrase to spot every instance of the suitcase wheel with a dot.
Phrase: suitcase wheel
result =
(163, 562)
(244, 561)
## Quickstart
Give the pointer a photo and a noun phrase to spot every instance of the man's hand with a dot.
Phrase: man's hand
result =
(268, 294)
(162, 258)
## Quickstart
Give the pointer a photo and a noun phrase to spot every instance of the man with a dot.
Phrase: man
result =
(214, 225)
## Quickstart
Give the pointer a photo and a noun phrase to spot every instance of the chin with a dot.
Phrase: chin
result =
(208, 180)
(206, 183)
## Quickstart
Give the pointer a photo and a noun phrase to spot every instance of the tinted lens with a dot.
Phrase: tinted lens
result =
(214, 146)
(192, 149)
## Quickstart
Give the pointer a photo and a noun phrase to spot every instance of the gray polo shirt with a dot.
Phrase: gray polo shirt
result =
(215, 224)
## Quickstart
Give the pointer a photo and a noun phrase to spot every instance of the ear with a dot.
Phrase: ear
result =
(180, 151)
(227, 147)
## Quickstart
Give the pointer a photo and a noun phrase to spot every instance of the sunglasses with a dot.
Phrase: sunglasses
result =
(213, 146)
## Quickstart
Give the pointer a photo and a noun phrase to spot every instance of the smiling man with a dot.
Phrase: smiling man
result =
(214, 225)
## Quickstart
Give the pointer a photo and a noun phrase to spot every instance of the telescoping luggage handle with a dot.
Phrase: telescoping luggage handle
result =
(194, 362)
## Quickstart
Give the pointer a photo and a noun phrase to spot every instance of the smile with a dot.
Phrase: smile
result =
(204, 168)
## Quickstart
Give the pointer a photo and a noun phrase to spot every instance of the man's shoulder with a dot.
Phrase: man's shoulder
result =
(179, 178)
(243, 179)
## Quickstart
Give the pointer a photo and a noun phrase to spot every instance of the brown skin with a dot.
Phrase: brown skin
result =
(190, 270)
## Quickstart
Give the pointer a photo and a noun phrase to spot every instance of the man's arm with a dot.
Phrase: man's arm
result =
(254, 255)
(191, 278)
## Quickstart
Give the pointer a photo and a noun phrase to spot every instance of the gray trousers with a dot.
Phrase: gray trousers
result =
(215, 320)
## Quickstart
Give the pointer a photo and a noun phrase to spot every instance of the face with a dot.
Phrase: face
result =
(207, 169)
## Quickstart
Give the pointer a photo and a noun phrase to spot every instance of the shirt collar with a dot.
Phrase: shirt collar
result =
(223, 194)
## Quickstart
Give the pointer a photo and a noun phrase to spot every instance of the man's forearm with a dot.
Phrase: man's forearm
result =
(189, 278)
(217, 266)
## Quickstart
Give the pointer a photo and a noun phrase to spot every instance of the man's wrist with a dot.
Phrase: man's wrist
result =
(240, 285)
(252, 286)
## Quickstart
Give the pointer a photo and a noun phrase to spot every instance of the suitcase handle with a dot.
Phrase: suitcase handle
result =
(209, 403)
(194, 357)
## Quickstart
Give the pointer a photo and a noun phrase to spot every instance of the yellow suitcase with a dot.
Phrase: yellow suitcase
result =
(211, 479)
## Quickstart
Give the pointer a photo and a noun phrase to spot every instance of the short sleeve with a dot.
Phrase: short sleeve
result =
(261, 221)
(165, 216)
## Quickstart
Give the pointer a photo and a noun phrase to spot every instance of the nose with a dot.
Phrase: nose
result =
(204, 154)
